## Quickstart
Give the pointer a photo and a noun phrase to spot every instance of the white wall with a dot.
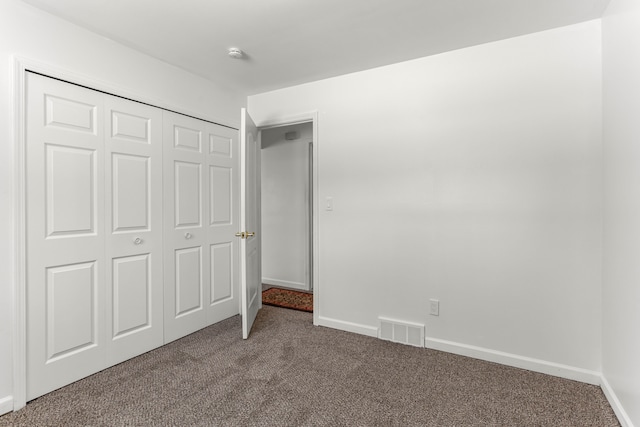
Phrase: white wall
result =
(621, 288)
(473, 177)
(285, 206)
(35, 35)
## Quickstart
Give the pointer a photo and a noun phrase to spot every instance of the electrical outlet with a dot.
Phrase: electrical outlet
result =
(434, 307)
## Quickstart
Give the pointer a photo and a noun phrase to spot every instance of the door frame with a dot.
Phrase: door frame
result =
(286, 120)
(22, 65)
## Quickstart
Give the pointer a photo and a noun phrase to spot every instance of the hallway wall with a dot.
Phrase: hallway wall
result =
(285, 207)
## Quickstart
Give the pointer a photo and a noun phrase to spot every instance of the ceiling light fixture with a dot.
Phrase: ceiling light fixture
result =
(235, 53)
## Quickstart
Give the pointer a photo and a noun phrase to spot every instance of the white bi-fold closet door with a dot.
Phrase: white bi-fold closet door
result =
(109, 194)
(201, 212)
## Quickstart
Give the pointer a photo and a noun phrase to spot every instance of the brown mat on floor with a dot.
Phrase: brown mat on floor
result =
(288, 299)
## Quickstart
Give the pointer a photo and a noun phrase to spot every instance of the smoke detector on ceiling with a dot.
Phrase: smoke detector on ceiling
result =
(235, 53)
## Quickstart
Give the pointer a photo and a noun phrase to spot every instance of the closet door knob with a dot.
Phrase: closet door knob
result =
(187, 235)
(137, 240)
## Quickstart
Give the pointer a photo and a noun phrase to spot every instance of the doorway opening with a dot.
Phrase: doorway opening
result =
(287, 206)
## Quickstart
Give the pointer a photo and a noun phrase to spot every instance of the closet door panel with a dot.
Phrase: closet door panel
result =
(223, 222)
(65, 234)
(186, 251)
(133, 152)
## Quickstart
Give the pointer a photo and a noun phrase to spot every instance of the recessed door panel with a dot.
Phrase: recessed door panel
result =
(254, 281)
(70, 190)
(129, 127)
(71, 309)
(130, 192)
(221, 271)
(187, 194)
(220, 145)
(187, 139)
(221, 201)
(188, 281)
(70, 114)
(131, 294)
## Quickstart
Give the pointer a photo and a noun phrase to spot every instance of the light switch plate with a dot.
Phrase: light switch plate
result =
(329, 204)
(434, 307)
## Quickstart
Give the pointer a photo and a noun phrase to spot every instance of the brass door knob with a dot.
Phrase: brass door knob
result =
(245, 234)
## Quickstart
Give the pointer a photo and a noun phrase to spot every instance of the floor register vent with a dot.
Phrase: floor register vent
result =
(401, 332)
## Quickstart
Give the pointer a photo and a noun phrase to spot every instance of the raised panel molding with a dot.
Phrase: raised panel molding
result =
(70, 326)
(187, 194)
(70, 114)
(70, 190)
(220, 145)
(130, 192)
(188, 280)
(130, 128)
(221, 272)
(131, 294)
(252, 260)
(221, 197)
(187, 139)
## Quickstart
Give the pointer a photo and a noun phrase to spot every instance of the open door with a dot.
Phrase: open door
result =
(249, 222)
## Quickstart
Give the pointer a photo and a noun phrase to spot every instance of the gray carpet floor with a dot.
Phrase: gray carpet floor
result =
(290, 373)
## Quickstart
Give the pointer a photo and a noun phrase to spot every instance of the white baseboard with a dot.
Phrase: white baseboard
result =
(509, 359)
(622, 415)
(348, 326)
(6, 404)
(285, 284)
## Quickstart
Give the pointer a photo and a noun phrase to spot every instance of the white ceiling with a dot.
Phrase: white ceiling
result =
(288, 42)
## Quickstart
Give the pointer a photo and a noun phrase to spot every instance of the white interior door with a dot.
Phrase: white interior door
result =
(250, 250)
(133, 221)
(65, 234)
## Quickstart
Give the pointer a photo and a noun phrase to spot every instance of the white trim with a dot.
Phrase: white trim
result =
(19, 214)
(6, 405)
(517, 361)
(312, 117)
(289, 120)
(622, 415)
(341, 325)
(285, 284)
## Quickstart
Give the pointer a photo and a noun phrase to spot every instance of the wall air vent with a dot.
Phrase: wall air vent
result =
(408, 333)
